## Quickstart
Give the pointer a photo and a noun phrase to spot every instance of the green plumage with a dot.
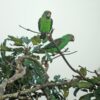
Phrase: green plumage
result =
(60, 42)
(45, 24)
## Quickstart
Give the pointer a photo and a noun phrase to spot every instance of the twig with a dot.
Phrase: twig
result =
(96, 73)
(64, 54)
(90, 71)
(29, 29)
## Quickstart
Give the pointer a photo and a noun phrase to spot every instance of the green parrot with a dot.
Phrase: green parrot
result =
(60, 43)
(45, 24)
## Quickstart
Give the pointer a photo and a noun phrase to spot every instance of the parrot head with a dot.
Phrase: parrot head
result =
(47, 14)
(70, 37)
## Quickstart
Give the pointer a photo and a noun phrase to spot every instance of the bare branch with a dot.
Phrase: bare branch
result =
(96, 73)
(29, 29)
(64, 54)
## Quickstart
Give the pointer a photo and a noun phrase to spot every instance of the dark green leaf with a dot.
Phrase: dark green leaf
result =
(57, 78)
(28, 63)
(4, 48)
(84, 84)
(66, 91)
(96, 79)
(17, 41)
(3, 53)
(84, 90)
(74, 83)
(86, 97)
(83, 71)
(17, 51)
(76, 91)
(97, 93)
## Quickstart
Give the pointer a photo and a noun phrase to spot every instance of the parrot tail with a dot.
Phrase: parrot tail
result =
(43, 36)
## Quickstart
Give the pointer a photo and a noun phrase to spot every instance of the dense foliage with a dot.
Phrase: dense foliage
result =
(25, 72)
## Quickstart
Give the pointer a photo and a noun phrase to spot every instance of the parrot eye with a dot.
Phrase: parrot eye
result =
(49, 14)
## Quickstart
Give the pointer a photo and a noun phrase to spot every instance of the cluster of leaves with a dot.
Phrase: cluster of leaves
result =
(91, 86)
(10, 50)
(12, 47)
(60, 92)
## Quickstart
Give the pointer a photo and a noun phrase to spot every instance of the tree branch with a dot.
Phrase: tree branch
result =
(19, 72)
(64, 54)
(37, 87)
(3, 86)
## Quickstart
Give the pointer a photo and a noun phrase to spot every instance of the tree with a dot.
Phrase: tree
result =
(23, 73)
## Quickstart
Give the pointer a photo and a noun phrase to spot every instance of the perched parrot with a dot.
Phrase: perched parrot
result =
(60, 43)
(45, 24)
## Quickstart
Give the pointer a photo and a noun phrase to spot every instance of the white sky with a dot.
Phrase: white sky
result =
(79, 17)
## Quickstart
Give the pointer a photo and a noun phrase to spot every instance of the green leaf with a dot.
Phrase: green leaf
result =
(4, 48)
(26, 40)
(97, 93)
(96, 79)
(66, 91)
(28, 63)
(86, 97)
(84, 84)
(17, 41)
(3, 53)
(57, 78)
(74, 83)
(36, 40)
(53, 97)
(48, 57)
(83, 71)
(17, 51)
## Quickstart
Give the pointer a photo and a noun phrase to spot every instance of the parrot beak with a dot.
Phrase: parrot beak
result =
(73, 39)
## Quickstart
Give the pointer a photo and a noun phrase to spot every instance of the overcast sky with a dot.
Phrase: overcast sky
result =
(78, 17)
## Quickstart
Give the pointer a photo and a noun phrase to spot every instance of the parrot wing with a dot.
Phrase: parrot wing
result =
(51, 23)
(51, 45)
(39, 24)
